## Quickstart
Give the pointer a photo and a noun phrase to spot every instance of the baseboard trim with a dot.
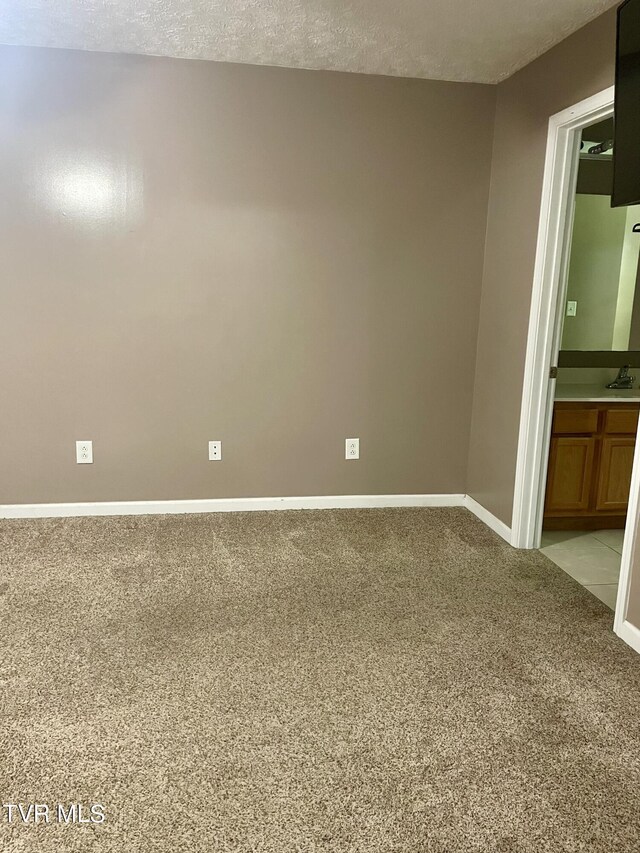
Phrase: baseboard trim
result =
(488, 518)
(61, 510)
(65, 510)
(630, 634)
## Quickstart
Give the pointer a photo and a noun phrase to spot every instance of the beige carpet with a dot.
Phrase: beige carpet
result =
(377, 681)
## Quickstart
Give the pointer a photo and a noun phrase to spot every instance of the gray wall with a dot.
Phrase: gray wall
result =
(578, 67)
(278, 259)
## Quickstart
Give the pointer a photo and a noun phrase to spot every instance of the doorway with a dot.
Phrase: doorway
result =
(597, 399)
(549, 305)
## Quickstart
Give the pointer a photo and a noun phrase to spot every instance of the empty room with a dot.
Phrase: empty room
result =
(319, 400)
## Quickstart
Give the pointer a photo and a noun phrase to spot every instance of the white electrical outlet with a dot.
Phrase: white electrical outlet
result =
(84, 452)
(572, 308)
(215, 451)
(352, 448)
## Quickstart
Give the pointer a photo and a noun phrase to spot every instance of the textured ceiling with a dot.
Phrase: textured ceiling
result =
(467, 40)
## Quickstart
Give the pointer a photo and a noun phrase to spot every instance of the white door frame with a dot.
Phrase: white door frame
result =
(545, 321)
(628, 632)
(543, 345)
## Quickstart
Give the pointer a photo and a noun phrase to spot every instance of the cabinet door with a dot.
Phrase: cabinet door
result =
(570, 473)
(614, 478)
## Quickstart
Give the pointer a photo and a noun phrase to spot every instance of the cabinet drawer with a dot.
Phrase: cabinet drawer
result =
(575, 421)
(621, 421)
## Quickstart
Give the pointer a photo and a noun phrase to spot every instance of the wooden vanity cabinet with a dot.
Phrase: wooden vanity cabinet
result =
(590, 461)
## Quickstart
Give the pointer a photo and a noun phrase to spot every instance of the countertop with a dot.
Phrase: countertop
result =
(594, 394)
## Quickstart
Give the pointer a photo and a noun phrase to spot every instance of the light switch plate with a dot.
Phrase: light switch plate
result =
(572, 308)
(215, 451)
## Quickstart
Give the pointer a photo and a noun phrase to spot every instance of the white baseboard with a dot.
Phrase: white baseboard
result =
(488, 518)
(630, 634)
(61, 510)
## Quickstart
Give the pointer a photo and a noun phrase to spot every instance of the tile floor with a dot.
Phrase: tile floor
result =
(593, 559)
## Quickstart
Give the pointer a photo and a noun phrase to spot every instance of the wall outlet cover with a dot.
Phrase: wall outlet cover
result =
(84, 452)
(352, 448)
(215, 451)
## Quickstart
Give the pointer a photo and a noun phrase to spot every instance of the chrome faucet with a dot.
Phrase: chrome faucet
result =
(623, 380)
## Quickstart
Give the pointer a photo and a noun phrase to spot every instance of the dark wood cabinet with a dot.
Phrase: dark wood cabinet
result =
(590, 462)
